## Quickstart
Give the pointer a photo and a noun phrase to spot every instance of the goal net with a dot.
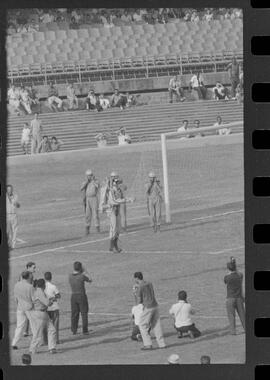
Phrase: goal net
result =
(198, 168)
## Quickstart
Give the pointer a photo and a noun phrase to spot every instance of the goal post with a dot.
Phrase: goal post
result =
(211, 130)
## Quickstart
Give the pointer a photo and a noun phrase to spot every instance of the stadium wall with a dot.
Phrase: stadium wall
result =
(135, 85)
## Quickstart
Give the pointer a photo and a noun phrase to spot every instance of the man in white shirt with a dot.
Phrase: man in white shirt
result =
(25, 138)
(197, 84)
(183, 128)
(222, 131)
(104, 103)
(52, 293)
(14, 99)
(175, 87)
(25, 100)
(182, 311)
(12, 221)
(123, 137)
(71, 97)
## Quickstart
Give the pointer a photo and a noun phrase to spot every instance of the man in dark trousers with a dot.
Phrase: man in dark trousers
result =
(235, 299)
(233, 70)
(79, 301)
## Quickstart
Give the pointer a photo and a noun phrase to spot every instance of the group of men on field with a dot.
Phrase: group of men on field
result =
(110, 197)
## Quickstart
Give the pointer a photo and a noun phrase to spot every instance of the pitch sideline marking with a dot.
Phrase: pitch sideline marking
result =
(104, 239)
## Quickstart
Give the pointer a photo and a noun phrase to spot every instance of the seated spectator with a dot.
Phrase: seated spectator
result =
(33, 96)
(196, 83)
(26, 138)
(181, 311)
(46, 18)
(173, 359)
(102, 139)
(33, 26)
(54, 98)
(131, 100)
(104, 102)
(183, 128)
(123, 137)
(14, 98)
(118, 100)
(194, 17)
(205, 359)
(25, 100)
(55, 144)
(44, 146)
(92, 101)
(175, 88)
(197, 125)
(220, 92)
(71, 97)
(77, 17)
(208, 16)
(137, 16)
(222, 131)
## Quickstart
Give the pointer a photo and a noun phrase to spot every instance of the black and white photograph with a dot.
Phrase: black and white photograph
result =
(125, 186)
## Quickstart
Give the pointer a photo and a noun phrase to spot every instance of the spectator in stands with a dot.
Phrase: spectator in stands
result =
(71, 97)
(46, 18)
(183, 128)
(194, 17)
(233, 70)
(14, 99)
(92, 101)
(208, 16)
(175, 88)
(55, 144)
(104, 102)
(25, 100)
(197, 124)
(131, 100)
(118, 100)
(33, 96)
(220, 92)
(44, 146)
(123, 137)
(25, 138)
(102, 139)
(197, 84)
(137, 16)
(222, 131)
(54, 98)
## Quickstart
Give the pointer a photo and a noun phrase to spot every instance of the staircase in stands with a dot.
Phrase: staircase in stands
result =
(143, 123)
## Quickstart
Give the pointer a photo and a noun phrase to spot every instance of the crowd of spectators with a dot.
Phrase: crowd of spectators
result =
(29, 20)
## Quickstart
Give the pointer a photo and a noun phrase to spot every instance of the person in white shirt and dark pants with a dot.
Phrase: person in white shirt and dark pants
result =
(182, 312)
(12, 221)
(52, 292)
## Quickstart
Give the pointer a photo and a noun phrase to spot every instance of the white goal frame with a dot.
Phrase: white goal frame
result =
(193, 131)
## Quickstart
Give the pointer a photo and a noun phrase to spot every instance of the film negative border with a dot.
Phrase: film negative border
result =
(257, 211)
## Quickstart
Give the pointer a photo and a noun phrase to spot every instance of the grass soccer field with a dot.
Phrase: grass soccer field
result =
(207, 204)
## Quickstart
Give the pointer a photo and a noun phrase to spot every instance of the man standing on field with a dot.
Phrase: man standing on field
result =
(154, 199)
(12, 222)
(90, 188)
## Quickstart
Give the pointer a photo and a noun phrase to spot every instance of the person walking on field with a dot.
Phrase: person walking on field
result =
(12, 220)
(52, 292)
(235, 298)
(36, 134)
(150, 318)
(90, 188)
(123, 206)
(79, 300)
(154, 200)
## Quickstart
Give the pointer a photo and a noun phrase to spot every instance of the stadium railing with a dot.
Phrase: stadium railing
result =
(122, 68)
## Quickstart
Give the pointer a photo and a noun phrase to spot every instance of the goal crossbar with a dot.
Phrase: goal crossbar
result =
(192, 131)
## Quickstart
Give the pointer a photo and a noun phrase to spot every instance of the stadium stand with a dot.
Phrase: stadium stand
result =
(144, 50)
(144, 123)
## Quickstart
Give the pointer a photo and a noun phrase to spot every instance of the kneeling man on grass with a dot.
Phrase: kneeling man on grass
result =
(181, 312)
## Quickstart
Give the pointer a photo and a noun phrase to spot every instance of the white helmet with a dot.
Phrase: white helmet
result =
(88, 172)
(114, 174)
(151, 175)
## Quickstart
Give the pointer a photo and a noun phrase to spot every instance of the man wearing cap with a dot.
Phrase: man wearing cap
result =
(90, 188)
(12, 221)
(154, 199)
(235, 298)
(115, 199)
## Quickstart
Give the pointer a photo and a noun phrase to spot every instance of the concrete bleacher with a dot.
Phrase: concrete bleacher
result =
(144, 123)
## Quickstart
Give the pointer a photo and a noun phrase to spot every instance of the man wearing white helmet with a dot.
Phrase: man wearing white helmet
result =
(90, 188)
(154, 199)
(123, 206)
(115, 199)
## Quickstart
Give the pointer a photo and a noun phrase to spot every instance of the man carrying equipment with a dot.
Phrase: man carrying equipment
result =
(115, 199)
(12, 222)
(90, 189)
(154, 199)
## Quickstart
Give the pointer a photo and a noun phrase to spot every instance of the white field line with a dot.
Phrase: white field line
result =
(226, 250)
(104, 239)
(21, 241)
